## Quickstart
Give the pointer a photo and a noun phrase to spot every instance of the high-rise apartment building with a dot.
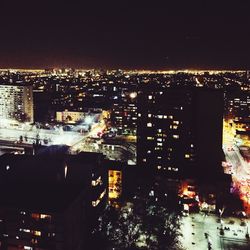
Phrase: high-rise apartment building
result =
(16, 102)
(123, 99)
(179, 129)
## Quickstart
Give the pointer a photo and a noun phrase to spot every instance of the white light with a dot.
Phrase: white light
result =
(28, 247)
(65, 171)
(149, 125)
(133, 95)
(88, 120)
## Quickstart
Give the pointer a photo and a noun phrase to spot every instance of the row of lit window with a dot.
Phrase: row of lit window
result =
(95, 203)
(96, 182)
(167, 168)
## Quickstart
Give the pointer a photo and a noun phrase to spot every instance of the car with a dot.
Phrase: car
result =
(243, 223)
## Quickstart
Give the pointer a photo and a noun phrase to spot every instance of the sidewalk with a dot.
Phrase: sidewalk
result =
(200, 231)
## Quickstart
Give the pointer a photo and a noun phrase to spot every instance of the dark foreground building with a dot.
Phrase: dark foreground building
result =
(50, 203)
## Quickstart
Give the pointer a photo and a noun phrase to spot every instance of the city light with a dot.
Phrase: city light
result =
(133, 95)
(88, 120)
(152, 138)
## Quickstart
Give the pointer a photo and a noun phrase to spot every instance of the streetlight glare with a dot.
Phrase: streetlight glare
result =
(133, 95)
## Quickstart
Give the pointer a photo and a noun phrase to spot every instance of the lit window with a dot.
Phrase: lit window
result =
(45, 216)
(95, 203)
(176, 136)
(150, 97)
(151, 193)
(139, 115)
(28, 248)
(36, 233)
(149, 138)
(159, 130)
(24, 230)
(159, 167)
(96, 182)
(187, 156)
(149, 115)
(149, 124)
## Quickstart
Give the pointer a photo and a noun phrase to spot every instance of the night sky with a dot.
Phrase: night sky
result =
(126, 34)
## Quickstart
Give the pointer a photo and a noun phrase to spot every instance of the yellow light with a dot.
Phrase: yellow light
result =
(115, 184)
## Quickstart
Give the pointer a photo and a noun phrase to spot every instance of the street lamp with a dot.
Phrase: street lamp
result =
(221, 227)
(247, 233)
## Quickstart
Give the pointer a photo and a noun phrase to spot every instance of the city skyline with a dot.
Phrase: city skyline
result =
(122, 144)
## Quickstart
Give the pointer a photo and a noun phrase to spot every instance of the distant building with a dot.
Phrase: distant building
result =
(69, 116)
(237, 105)
(16, 102)
(42, 105)
(123, 97)
(50, 202)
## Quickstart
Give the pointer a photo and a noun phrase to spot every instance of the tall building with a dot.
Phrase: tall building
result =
(16, 102)
(123, 99)
(237, 105)
(179, 129)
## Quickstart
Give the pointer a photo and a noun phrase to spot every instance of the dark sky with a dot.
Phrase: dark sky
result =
(125, 34)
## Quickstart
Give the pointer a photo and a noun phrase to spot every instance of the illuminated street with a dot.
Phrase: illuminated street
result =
(53, 137)
(240, 173)
(235, 164)
(195, 226)
(30, 134)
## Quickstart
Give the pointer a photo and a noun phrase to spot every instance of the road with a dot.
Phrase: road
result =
(54, 137)
(89, 141)
(240, 173)
(196, 225)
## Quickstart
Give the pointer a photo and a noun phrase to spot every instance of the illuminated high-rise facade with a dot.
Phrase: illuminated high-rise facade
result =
(123, 98)
(179, 129)
(16, 102)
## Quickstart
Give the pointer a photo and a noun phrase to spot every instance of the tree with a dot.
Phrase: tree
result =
(141, 224)
(161, 226)
(119, 228)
